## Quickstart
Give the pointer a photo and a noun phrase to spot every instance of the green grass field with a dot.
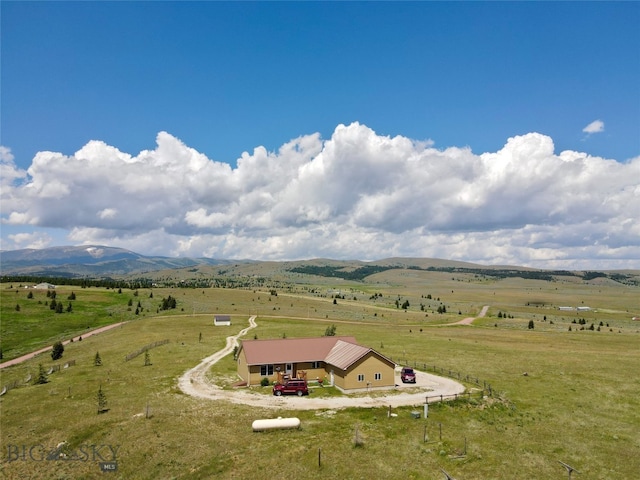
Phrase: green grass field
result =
(578, 402)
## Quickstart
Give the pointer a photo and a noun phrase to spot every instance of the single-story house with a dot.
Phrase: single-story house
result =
(338, 361)
(219, 320)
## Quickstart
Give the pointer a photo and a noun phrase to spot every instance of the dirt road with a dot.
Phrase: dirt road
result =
(195, 383)
(469, 320)
(23, 358)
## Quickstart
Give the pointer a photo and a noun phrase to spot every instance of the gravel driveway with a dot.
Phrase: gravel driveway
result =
(195, 383)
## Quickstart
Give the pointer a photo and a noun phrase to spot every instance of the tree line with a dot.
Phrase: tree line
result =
(80, 282)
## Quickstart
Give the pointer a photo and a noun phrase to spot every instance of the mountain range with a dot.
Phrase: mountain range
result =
(100, 262)
(91, 261)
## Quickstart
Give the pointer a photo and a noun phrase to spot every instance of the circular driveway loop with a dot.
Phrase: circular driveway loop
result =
(195, 383)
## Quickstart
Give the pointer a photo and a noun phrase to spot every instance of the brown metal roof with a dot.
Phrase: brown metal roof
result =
(344, 354)
(291, 350)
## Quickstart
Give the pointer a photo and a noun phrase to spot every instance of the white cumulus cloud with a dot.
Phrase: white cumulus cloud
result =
(357, 194)
(30, 240)
(596, 126)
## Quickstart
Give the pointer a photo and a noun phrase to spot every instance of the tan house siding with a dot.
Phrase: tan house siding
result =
(252, 373)
(243, 370)
(368, 366)
(255, 375)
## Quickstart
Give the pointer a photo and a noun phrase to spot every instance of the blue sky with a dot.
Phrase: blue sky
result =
(226, 78)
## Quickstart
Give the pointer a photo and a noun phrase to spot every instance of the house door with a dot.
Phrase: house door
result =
(288, 369)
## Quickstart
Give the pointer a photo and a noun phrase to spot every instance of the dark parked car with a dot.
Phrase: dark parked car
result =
(407, 375)
(291, 387)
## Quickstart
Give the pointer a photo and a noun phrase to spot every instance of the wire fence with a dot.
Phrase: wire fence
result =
(27, 381)
(444, 372)
(145, 348)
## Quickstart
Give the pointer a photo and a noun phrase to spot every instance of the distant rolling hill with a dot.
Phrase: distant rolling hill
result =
(89, 260)
(100, 262)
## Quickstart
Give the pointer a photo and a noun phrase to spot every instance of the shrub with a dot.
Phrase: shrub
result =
(264, 382)
(330, 331)
(58, 350)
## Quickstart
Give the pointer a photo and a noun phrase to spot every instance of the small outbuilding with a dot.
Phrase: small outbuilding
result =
(222, 320)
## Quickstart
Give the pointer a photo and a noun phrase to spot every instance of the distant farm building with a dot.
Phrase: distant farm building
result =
(44, 286)
(571, 309)
(222, 320)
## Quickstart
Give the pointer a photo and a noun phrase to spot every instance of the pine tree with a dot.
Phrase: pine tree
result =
(97, 361)
(41, 379)
(102, 401)
(147, 358)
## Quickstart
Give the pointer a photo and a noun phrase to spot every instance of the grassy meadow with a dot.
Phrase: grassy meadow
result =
(558, 394)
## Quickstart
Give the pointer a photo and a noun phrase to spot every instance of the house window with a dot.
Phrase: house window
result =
(361, 377)
(377, 376)
(266, 370)
(315, 364)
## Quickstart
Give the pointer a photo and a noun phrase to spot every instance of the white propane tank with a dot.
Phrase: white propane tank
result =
(275, 424)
